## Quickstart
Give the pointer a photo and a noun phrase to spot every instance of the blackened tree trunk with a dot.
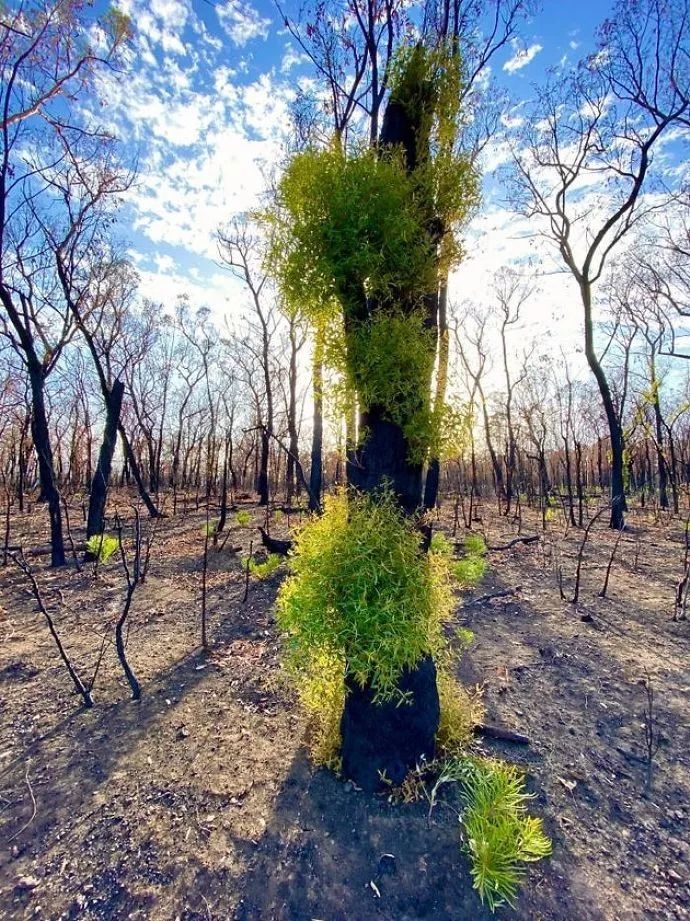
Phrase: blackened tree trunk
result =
(316, 470)
(132, 465)
(40, 431)
(95, 523)
(580, 483)
(618, 504)
(23, 459)
(384, 458)
(46, 468)
(224, 490)
(262, 476)
(384, 741)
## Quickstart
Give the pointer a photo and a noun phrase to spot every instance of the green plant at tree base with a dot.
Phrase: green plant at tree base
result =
(243, 518)
(262, 570)
(500, 837)
(362, 591)
(363, 600)
(102, 546)
(321, 690)
(461, 708)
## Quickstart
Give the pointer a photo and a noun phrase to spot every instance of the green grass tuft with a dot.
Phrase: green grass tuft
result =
(469, 570)
(210, 528)
(440, 544)
(475, 545)
(243, 518)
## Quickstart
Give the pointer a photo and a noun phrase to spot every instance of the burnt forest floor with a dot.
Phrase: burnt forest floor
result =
(199, 802)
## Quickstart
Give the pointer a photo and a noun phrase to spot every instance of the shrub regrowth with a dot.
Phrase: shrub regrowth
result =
(265, 568)
(102, 546)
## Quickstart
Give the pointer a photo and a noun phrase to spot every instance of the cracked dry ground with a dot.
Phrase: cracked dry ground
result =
(199, 801)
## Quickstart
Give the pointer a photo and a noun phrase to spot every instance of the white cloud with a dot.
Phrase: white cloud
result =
(242, 22)
(162, 22)
(164, 284)
(497, 153)
(291, 59)
(522, 57)
(498, 238)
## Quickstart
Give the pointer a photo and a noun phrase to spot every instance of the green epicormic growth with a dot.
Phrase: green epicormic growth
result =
(362, 593)
(349, 230)
(361, 241)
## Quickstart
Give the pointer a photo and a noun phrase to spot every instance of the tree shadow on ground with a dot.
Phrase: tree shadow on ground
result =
(335, 854)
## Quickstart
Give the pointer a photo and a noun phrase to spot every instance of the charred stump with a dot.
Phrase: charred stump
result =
(382, 742)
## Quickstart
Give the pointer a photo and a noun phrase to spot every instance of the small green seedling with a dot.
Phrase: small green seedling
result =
(267, 567)
(500, 836)
(102, 546)
(210, 528)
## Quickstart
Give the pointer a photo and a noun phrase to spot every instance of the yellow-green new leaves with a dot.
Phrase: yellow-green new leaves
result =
(346, 229)
(361, 241)
(500, 836)
(362, 592)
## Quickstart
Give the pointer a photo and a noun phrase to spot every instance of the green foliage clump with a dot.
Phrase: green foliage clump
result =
(266, 568)
(469, 571)
(321, 689)
(461, 711)
(440, 544)
(359, 239)
(475, 545)
(427, 83)
(500, 836)
(390, 364)
(363, 593)
(347, 229)
(363, 599)
(243, 518)
(102, 546)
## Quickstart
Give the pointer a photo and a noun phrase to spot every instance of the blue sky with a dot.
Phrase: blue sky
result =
(204, 105)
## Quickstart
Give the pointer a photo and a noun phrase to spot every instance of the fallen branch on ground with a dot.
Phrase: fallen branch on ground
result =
(273, 545)
(498, 732)
(504, 593)
(531, 539)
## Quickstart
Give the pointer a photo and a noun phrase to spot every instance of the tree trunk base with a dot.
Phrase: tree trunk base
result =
(381, 743)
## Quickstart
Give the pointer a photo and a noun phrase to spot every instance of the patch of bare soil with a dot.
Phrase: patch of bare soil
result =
(198, 802)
